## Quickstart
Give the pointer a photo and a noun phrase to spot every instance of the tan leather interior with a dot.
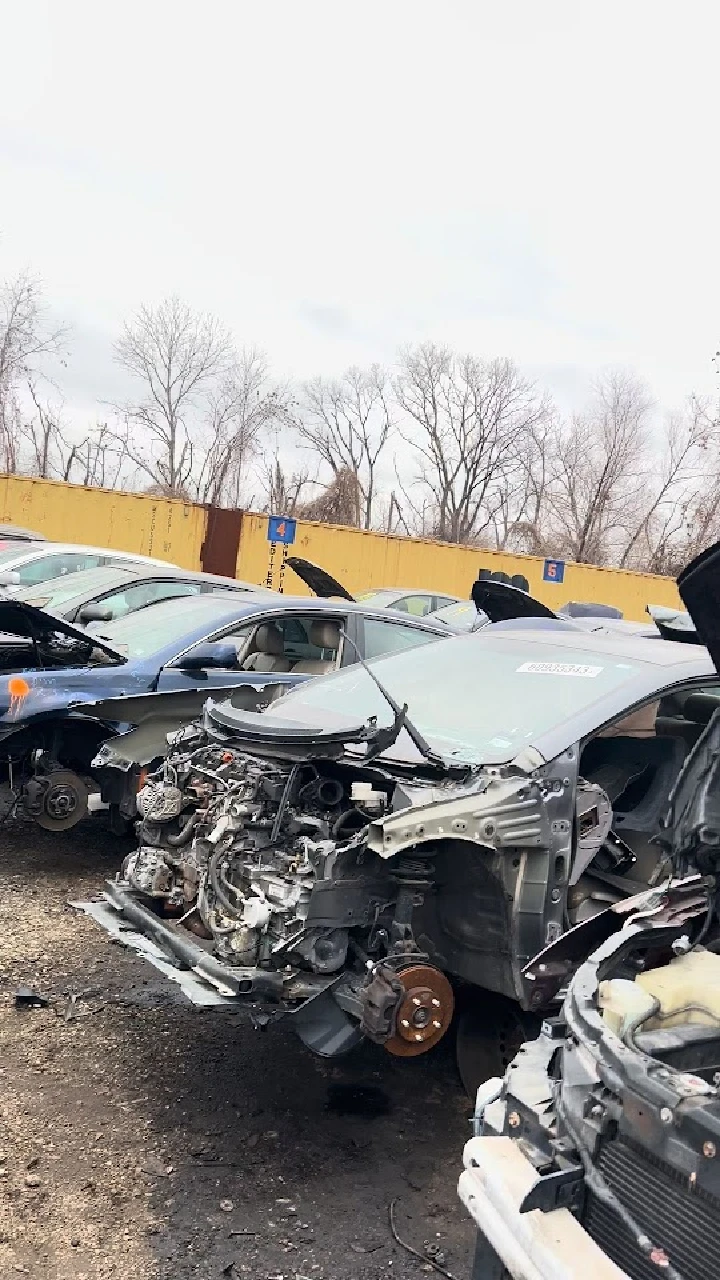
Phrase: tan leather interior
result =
(268, 654)
(639, 724)
(324, 635)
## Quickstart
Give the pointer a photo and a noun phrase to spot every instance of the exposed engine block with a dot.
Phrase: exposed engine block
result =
(235, 845)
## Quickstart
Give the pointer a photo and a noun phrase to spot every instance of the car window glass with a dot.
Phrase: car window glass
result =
(55, 566)
(391, 637)
(460, 616)
(140, 594)
(295, 639)
(151, 630)
(418, 605)
(57, 592)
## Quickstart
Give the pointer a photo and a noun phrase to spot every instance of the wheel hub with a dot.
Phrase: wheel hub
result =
(63, 803)
(424, 1013)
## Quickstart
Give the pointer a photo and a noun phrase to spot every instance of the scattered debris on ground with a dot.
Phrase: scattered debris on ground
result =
(144, 1139)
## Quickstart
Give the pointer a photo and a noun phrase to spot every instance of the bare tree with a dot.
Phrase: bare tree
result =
(347, 423)
(467, 421)
(41, 433)
(241, 407)
(600, 460)
(686, 471)
(520, 517)
(26, 340)
(283, 492)
(178, 358)
(337, 504)
(96, 460)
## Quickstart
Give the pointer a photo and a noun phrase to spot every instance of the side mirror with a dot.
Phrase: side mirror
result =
(212, 654)
(10, 579)
(95, 613)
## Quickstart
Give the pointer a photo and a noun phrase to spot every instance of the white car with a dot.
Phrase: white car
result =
(24, 564)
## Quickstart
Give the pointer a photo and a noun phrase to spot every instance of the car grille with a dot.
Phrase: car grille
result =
(686, 1224)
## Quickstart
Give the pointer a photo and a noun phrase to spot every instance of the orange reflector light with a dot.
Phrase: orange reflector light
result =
(17, 687)
(142, 779)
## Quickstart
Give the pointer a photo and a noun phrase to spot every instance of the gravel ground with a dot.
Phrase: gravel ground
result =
(144, 1139)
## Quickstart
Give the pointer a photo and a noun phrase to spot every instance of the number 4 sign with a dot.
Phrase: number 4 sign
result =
(281, 529)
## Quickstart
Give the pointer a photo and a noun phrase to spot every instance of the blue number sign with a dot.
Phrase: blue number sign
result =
(281, 529)
(554, 571)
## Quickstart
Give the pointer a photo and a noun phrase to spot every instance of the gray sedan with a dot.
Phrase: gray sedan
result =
(101, 595)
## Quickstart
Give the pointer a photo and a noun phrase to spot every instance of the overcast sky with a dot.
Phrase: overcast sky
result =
(536, 180)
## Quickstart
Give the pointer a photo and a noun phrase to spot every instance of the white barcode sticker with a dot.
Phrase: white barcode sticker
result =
(559, 669)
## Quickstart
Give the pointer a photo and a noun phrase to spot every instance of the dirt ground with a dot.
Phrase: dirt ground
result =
(144, 1139)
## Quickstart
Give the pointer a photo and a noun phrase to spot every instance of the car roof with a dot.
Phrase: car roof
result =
(404, 591)
(30, 549)
(608, 642)
(321, 604)
(221, 607)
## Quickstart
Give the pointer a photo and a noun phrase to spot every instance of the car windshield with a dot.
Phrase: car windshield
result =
(138, 635)
(375, 597)
(462, 616)
(55, 593)
(478, 699)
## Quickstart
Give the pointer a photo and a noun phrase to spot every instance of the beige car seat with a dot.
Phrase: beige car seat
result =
(638, 724)
(324, 635)
(269, 651)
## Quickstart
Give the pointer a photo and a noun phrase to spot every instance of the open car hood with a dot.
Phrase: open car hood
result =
(30, 623)
(322, 583)
(674, 624)
(501, 602)
(155, 715)
(699, 587)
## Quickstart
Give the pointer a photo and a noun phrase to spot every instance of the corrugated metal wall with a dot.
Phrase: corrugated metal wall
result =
(166, 530)
(175, 531)
(362, 560)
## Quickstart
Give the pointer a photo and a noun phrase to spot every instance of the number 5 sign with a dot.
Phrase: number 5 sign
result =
(554, 571)
(281, 529)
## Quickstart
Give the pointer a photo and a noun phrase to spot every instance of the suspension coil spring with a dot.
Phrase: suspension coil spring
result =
(414, 871)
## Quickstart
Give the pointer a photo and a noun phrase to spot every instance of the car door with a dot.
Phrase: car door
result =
(383, 636)
(270, 648)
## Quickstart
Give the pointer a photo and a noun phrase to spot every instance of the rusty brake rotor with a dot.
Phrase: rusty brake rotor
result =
(425, 1011)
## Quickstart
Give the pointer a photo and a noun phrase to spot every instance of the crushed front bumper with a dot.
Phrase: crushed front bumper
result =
(307, 998)
(534, 1245)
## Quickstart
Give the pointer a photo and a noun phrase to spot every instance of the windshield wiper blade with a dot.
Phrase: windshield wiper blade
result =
(386, 737)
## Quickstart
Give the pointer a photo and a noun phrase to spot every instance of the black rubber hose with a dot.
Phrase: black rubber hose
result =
(219, 891)
(340, 822)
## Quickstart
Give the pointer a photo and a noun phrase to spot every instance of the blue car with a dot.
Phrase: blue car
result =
(64, 690)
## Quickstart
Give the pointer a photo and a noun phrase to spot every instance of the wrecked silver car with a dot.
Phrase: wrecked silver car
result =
(597, 1153)
(379, 840)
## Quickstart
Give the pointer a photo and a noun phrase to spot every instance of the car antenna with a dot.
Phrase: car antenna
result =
(386, 737)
